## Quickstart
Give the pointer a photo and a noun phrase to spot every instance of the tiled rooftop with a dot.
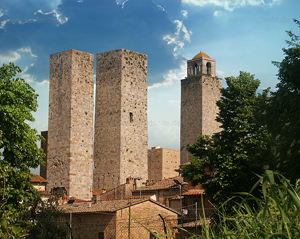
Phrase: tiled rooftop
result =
(38, 179)
(65, 199)
(163, 184)
(109, 205)
(194, 192)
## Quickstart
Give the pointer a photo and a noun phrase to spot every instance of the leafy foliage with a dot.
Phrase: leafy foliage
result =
(283, 112)
(225, 162)
(48, 221)
(10, 229)
(18, 142)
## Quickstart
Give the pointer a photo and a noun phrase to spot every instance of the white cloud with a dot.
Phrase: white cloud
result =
(30, 79)
(217, 13)
(230, 5)
(122, 2)
(1, 12)
(221, 74)
(11, 56)
(173, 75)
(27, 50)
(27, 77)
(184, 13)
(161, 8)
(14, 55)
(178, 38)
(57, 15)
(3, 23)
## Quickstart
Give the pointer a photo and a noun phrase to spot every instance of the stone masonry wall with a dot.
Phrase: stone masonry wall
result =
(70, 127)
(43, 168)
(162, 163)
(150, 215)
(121, 133)
(210, 94)
(199, 95)
(171, 162)
(191, 112)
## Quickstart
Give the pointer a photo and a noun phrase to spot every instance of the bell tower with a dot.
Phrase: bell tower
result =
(201, 64)
(200, 91)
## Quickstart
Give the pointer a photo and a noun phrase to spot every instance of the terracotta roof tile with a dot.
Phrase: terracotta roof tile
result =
(65, 199)
(163, 184)
(193, 192)
(108, 205)
(38, 179)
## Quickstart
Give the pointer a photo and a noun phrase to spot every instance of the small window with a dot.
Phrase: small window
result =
(101, 235)
(131, 117)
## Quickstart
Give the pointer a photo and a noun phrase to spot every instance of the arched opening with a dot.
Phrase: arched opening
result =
(208, 68)
(196, 69)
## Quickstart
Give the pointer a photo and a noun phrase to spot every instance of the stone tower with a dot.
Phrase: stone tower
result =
(199, 93)
(70, 127)
(121, 134)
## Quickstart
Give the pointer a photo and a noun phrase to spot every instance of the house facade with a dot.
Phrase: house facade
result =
(120, 219)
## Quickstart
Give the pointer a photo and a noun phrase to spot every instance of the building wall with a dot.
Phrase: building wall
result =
(199, 95)
(70, 127)
(121, 134)
(43, 168)
(155, 171)
(162, 163)
(171, 162)
(121, 191)
(191, 200)
(147, 213)
(88, 226)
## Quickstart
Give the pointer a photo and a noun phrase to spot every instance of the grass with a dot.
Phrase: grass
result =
(275, 215)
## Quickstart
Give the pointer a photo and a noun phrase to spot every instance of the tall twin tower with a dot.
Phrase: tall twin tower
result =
(119, 138)
(81, 155)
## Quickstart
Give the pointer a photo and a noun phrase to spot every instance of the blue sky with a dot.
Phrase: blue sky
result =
(242, 35)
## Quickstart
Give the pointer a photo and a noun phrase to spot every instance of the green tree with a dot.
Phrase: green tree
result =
(283, 112)
(48, 221)
(18, 142)
(226, 162)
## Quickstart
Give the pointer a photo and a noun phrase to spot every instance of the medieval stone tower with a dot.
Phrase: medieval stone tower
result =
(199, 94)
(70, 127)
(121, 134)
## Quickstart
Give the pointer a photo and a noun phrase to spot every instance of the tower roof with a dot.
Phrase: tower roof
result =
(200, 55)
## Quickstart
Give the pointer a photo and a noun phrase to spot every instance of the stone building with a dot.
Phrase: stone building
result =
(39, 183)
(70, 127)
(162, 163)
(200, 91)
(121, 133)
(121, 219)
